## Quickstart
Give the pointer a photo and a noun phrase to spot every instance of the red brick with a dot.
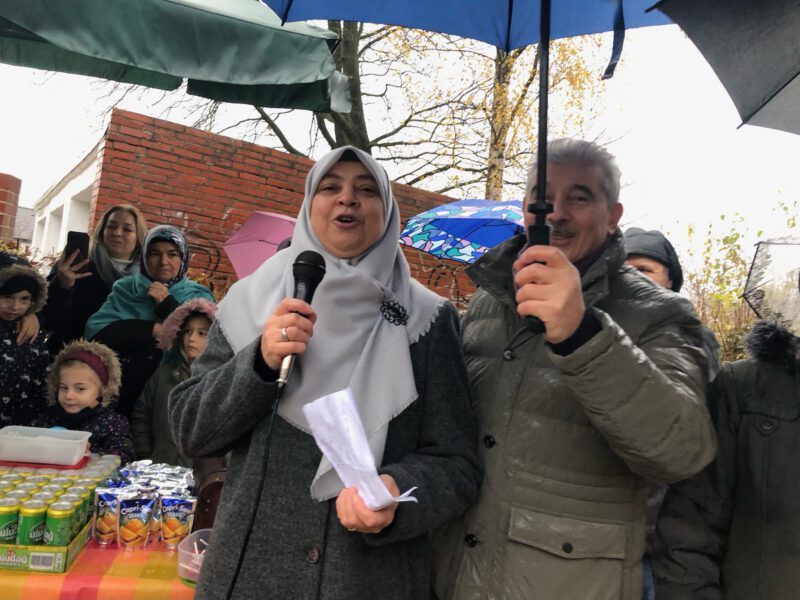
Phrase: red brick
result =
(211, 184)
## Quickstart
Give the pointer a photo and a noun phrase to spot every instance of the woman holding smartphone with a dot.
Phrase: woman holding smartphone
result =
(79, 285)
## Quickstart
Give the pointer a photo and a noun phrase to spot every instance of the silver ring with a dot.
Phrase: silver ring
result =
(284, 335)
(351, 529)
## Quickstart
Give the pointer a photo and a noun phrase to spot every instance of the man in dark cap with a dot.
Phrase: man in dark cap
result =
(652, 254)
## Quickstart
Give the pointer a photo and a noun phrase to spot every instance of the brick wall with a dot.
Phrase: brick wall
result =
(210, 184)
(9, 199)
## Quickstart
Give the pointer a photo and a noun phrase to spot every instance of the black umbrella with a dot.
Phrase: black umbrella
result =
(754, 48)
(772, 283)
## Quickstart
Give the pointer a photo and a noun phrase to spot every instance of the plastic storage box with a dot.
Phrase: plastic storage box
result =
(191, 552)
(39, 445)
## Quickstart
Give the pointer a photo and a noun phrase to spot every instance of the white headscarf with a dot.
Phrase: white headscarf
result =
(361, 340)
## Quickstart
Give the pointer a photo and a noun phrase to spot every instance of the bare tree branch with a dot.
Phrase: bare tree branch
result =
(278, 133)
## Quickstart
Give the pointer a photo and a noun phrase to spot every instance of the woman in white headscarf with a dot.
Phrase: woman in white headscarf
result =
(372, 328)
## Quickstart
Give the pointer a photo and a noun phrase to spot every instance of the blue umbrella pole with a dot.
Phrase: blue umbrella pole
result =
(539, 232)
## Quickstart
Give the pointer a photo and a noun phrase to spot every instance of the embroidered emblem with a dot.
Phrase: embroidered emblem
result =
(394, 312)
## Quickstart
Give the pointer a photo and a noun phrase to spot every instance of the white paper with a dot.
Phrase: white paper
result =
(337, 429)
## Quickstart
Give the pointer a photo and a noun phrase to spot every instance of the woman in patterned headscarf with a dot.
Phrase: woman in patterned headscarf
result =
(129, 322)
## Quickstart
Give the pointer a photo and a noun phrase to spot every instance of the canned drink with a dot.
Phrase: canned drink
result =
(39, 480)
(46, 497)
(30, 527)
(86, 496)
(71, 475)
(48, 472)
(89, 482)
(5, 470)
(24, 471)
(28, 487)
(77, 502)
(91, 486)
(64, 482)
(14, 478)
(9, 518)
(20, 495)
(111, 459)
(5, 487)
(52, 488)
(59, 524)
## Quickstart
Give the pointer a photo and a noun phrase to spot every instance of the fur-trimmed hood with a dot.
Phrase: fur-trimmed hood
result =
(104, 353)
(772, 342)
(173, 323)
(15, 269)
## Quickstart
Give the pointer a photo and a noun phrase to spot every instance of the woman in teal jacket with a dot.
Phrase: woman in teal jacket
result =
(129, 322)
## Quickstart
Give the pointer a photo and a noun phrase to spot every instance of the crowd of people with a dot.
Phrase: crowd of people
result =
(80, 346)
(605, 456)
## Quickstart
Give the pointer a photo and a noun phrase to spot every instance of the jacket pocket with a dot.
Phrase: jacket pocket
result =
(564, 557)
(565, 536)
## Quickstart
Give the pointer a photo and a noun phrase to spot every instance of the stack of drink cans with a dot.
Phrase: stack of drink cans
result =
(48, 507)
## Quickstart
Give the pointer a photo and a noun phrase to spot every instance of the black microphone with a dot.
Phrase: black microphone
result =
(308, 271)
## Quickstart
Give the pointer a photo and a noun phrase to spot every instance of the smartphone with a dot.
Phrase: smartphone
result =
(77, 240)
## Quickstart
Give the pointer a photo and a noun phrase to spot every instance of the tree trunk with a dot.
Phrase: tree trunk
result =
(498, 124)
(351, 128)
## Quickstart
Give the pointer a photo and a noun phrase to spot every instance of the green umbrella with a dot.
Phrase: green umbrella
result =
(231, 50)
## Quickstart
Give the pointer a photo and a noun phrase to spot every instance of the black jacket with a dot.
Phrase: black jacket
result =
(733, 531)
(67, 311)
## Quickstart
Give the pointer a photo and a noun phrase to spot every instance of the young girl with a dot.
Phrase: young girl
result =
(83, 384)
(183, 338)
(22, 366)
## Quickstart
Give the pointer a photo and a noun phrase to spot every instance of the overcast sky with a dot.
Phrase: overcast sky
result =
(664, 114)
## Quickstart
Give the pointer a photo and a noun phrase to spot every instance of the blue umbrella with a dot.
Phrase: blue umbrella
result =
(507, 24)
(463, 230)
(503, 23)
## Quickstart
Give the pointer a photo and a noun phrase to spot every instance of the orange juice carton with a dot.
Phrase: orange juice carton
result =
(177, 517)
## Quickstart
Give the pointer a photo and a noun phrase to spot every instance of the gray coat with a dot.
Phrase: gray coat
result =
(298, 549)
(569, 441)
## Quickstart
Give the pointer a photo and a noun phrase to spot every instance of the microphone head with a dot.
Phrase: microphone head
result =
(309, 266)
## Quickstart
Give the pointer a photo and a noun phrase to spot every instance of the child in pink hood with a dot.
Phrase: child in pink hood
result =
(183, 339)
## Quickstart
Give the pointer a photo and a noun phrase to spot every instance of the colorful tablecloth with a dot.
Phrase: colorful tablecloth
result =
(101, 574)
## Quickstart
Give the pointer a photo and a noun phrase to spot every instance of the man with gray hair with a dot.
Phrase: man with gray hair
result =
(576, 419)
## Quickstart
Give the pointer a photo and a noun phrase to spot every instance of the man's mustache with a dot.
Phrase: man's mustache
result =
(561, 230)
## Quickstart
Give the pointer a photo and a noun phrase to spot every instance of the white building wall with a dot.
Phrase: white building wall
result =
(64, 207)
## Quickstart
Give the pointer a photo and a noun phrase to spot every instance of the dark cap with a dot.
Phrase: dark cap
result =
(654, 244)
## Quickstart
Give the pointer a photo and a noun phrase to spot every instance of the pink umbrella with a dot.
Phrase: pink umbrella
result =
(256, 240)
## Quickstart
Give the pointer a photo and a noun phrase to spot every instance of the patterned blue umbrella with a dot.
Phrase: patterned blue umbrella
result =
(465, 229)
